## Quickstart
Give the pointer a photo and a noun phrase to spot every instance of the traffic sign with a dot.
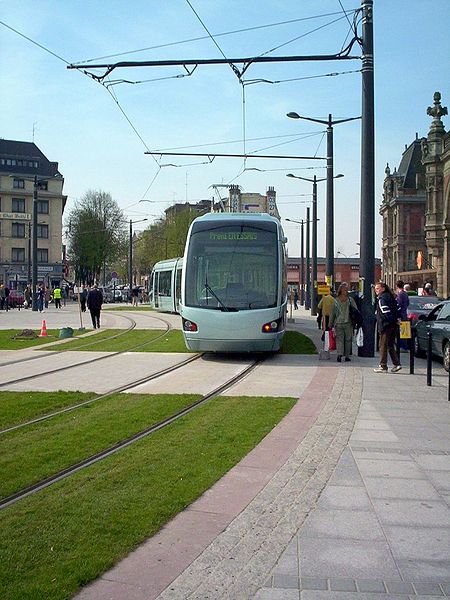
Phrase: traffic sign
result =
(113, 275)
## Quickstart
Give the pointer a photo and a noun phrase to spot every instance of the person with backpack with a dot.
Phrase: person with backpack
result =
(387, 313)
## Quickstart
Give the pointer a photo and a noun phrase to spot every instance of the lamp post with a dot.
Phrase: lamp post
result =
(302, 258)
(329, 268)
(130, 264)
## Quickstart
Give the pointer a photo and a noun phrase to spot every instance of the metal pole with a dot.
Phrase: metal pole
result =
(429, 357)
(29, 254)
(130, 265)
(367, 211)
(314, 251)
(302, 266)
(308, 280)
(329, 270)
(34, 274)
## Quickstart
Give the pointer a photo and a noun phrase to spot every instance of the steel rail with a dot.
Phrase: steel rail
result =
(44, 483)
(86, 362)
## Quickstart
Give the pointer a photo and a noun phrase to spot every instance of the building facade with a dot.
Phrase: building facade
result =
(416, 212)
(24, 171)
(248, 202)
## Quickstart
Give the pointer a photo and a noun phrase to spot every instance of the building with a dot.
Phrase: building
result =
(199, 208)
(20, 164)
(346, 269)
(416, 211)
(239, 201)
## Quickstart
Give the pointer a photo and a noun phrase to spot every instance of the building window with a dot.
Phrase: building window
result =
(18, 230)
(17, 255)
(42, 255)
(42, 231)
(18, 205)
(42, 207)
(42, 185)
(19, 184)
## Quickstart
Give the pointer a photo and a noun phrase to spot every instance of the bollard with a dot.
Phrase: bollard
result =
(411, 352)
(429, 347)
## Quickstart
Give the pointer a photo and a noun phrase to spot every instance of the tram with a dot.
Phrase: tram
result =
(165, 285)
(234, 284)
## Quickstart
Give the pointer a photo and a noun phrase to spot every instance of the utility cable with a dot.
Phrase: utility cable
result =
(205, 37)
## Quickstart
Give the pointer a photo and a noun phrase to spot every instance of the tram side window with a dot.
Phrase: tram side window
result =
(164, 283)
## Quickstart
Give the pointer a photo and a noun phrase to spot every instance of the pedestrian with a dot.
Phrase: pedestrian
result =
(40, 298)
(57, 296)
(403, 303)
(83, 298)
(47, 296)
(340, 319)
(134, 295)
(387, 323)
(27, 296)
(94, 303)
(428, 290)
(326, 306)
(295, 300)
(408, 290)
(64, 294)
(2, 296)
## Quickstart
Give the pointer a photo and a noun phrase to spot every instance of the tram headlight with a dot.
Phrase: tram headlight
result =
(189, 325)
(272, 326)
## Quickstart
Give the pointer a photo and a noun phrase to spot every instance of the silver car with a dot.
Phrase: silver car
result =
(437, 322)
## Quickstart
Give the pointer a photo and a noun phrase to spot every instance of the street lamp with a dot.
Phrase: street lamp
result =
(314, 181)
(130, 265)
(329, 269)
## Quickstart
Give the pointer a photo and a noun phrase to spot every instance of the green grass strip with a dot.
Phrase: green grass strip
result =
(172, 341)
(55, 541)
(18, 407)
(295, 342)
(50, 446)
(10, 341)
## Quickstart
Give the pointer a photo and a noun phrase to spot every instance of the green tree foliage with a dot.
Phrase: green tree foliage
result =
(165, 238)
(97, 234)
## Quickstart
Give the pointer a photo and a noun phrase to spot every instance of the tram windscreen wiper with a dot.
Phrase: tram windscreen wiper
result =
(209, 289)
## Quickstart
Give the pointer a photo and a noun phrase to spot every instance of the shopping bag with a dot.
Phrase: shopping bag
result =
(332, 339)
(326, 340)
(405, 330)
(360, 338)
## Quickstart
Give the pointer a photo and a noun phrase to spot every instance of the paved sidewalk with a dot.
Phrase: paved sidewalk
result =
(347, 499)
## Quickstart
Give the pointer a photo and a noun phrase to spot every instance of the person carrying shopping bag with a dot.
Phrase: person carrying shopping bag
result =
(341, 320)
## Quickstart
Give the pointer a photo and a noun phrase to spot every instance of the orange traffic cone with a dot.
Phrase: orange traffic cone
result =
(43, 329)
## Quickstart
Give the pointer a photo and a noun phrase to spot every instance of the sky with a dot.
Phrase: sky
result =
(99, 134)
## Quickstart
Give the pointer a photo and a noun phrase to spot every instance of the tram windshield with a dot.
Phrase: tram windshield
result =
(232, 266)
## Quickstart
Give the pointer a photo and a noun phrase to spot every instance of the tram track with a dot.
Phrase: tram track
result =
(86, 362)
(99, 456)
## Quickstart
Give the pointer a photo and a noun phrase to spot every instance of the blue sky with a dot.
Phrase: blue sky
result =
(78, 123)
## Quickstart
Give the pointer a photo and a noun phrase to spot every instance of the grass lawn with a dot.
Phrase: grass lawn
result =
(17, 407)
(172, 341)
(64, 440)
(295, 342)
(8, 343)
(59, 539)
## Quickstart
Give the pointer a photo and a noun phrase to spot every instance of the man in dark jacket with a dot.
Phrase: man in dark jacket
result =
(94, 304)
(387, 323)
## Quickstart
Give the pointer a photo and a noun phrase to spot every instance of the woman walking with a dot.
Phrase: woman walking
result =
(341, 320)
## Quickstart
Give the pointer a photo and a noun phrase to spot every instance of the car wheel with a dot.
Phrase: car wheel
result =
(446, 356)
(417, 349)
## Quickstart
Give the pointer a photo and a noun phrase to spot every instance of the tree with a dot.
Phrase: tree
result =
(97, 235)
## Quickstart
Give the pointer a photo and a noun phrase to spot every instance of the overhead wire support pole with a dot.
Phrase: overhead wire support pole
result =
(208, 61)
(367, 211)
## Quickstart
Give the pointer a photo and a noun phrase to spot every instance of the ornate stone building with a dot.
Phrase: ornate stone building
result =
(416, 212)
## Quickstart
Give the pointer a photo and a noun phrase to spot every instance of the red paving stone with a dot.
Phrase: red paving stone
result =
(145, 573)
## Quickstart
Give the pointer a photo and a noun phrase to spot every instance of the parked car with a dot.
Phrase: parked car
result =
(438, 323)
(112, 295)
(420, 305)
(15, 299)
